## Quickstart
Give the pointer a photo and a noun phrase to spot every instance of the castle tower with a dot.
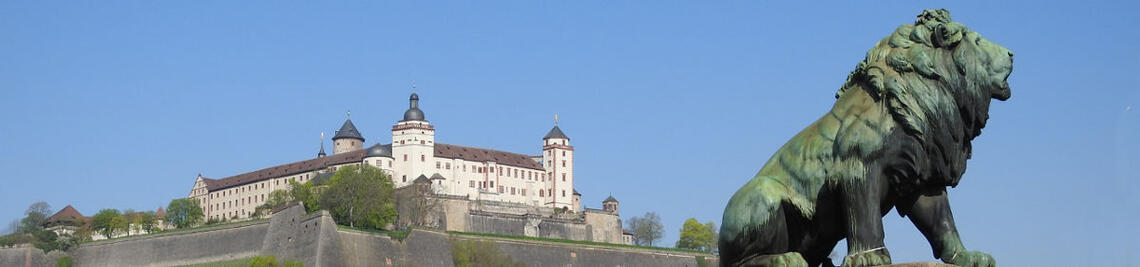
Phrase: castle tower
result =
(347, 138)
(610, 205)
(413, 145)
(321, 154)
(558, 160)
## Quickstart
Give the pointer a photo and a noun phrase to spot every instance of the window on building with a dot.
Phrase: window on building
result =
(423, 142)
(563, 153)
(423, 158)
(492, 184)
(564, 193)
(447, 166)
(389, 164)
(405, 157)
(472, 185)
(523, 192)
(437, 165)
(563, 177)
(541, 193)
(404, 178)
(501, 190)
(512, 190)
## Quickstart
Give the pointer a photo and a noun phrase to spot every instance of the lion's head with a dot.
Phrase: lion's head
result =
(937, 78)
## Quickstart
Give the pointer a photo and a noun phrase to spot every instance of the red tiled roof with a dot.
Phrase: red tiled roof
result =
(67, 214)
(283, 170)
(484, 155)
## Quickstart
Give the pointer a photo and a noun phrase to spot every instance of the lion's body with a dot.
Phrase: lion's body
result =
(898, 134)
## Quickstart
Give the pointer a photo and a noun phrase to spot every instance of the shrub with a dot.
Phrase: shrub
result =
(64, 261)
(263, 261)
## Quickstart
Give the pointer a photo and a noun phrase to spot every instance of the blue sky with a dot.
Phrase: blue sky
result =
(671, 105)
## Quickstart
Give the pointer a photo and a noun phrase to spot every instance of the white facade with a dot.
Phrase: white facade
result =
(543, 180)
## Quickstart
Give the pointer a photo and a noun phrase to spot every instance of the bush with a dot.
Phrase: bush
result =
(263, 261)
(293, 263)
(64, 261)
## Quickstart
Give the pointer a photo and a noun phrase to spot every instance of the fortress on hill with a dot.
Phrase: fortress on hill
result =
(481, 190)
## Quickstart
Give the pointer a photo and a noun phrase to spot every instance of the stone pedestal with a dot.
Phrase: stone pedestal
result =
(919, 264)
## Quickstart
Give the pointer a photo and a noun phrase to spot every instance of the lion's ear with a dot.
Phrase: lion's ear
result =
(948, 34)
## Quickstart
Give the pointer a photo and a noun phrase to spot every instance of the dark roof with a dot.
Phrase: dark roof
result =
(379, 150)
(283, 170)
(576, 192)
(421, 179)
(67, 214)
(437, 177)
(414, 113)
(348, 130)
(485, 155)
(322, 178)
(555, 133)
(610, 199)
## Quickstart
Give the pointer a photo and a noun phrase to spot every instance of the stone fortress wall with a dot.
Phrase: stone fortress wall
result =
(315, 240)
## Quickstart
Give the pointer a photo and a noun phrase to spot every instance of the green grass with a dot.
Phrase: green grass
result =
(578, 242)
(175, 230)
(398, 235)
(229, 263)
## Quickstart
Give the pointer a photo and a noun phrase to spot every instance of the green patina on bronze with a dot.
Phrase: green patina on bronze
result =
(898, 135)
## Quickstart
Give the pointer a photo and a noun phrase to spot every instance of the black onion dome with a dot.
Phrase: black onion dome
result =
(414, 113)
(379, 150)
(348, 130)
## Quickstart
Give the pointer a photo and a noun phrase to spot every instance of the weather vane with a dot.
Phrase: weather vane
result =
(555, 118)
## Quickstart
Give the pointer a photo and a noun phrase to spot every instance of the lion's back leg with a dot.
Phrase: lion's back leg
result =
(754, 229)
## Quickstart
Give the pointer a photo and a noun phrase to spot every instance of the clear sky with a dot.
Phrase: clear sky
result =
(671, 106)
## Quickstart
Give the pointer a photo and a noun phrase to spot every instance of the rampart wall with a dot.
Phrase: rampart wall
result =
(315, 240)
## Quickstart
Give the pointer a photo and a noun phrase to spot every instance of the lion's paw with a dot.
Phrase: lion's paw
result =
(872, 257)
(971, 259)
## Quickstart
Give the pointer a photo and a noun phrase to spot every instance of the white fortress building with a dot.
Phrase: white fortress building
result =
(544, 180)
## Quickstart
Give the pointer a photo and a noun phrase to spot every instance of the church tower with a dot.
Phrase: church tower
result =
(347, 138)
(413, 145)
(558, 160)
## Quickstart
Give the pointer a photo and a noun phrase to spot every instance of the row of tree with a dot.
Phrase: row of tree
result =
(647, 229)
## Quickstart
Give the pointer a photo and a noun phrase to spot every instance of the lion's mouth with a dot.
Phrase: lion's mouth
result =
(1002, 93)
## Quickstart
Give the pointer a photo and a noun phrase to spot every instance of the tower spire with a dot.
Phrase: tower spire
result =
(555, 119)
(322, 153)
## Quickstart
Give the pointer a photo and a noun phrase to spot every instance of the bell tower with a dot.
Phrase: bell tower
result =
(558, 160)
(413, 145)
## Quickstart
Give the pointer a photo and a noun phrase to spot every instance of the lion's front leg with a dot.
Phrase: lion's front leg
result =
(863, 207)
(930, 212)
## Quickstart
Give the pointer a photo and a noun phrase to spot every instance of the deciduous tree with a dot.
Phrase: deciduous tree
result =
(34, 217)
(697, 236)
(360, 197)
(646, 229)
(183, 213)
(106, 222)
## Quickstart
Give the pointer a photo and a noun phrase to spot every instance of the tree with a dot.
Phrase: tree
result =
(418, 205)
(360, 196)
(133, 220)
(148, 221)
(34, 217)
(107, 221)
(646, 229)
(183, 213)
(697, 236)
(306, 194)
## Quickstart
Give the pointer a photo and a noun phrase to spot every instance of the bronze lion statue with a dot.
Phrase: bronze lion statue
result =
(898, 135)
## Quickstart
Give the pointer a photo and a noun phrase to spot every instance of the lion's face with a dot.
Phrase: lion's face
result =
(986, 63)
